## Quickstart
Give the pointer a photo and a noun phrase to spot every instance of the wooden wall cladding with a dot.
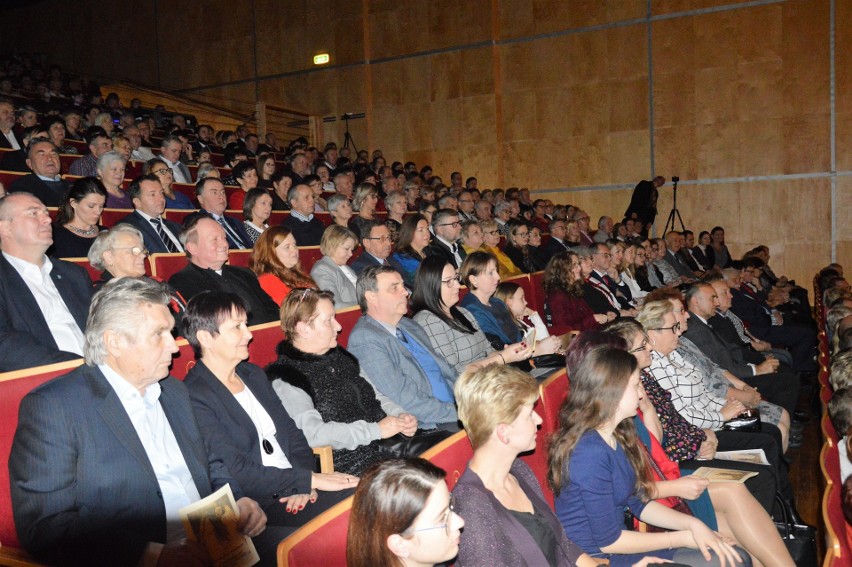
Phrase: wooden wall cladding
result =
(843, 67)
(521, 18)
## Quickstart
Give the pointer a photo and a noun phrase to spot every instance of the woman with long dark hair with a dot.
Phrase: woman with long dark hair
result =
(564, 307)
(413, 239)
(78, 221)
(518, 248)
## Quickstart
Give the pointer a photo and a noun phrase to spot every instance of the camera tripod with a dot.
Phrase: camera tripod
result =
(347, 137)
(675, 214)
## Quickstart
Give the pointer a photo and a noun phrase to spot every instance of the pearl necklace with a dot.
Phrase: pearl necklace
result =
(91, 231)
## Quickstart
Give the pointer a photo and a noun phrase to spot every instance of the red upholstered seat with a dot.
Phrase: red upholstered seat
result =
(9, 177)
(554, 390)
(177, 215)
(536, 297)
(183, 361)
(838, 552)
(277, 217)
(347, 319)
(110, 217)
(164, 266)
(452, 455)
(13, 387)
(262, 348)
(319, 543)
(239, 258)
(308, 255)
(187, 189)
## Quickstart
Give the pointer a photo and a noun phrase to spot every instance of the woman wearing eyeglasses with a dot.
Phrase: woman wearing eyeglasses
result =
(120, 253)
(324, 390)
(517, 247)
(491, 236)
(507, 520)
(164, 174)
(402, 517)
(452, 330)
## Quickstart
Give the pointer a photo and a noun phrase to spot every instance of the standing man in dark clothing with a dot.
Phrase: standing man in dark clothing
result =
(643, 203)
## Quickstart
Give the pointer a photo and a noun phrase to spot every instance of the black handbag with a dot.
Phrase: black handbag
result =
(749, 420)
(401, 446)
(799, 539)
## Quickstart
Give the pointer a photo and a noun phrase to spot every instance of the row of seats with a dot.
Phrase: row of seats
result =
(838, 533)
(452, 454)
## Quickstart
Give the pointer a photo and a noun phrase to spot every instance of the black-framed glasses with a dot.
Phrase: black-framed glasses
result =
(164, 171)
(379, 238)
(450, 282)
(522, 234)
(453, 224)
(674, 328)
(641, 347)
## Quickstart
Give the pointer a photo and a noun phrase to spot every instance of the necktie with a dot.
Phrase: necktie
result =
(232, 235)
(400, 335)
(158, 225)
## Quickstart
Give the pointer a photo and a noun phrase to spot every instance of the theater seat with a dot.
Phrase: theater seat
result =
(262, 348)
(452, 455)
(319, 543)
(164, 266)
(347, 319)
(239, 257)
(110, 217)
(308, 255)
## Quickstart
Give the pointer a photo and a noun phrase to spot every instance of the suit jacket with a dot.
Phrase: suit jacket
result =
(752, 312)
(438, 248)
(493, 536)
(228, 429)
(330, 277)
(677, 263)
(183, 169)
(728, 333)
(706, 257)
(83, 489)
(25, 339)
(621, 291)
(151, 238)
(234, 224)
(711, 344)
(33, 184)
(395, 373)
(551, 248)
(364, 261)
(192, 280)
(597, 300)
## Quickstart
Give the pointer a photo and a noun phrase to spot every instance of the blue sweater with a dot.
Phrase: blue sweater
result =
(591, 506)
(494, 319)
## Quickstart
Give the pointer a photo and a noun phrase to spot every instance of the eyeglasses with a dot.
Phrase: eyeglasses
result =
(674, 328)
(522, 234)
(581, 219)
(445, 526)
(604, 254)
(135, 250)
(641, 347)
(165, 171)
(379, 238)
(453, 224)
(452, 281)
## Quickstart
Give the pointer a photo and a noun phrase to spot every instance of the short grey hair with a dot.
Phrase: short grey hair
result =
(368, 280)
(204, 170)
(393, 197)
(502, 206)
(335, 200)
(105, 160)
(834, 316)
(106, 240)
(116, 308)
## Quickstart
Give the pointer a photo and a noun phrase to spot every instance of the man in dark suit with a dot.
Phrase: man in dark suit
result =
(600, 278)
(306, 228)
(377, 247)
(556, 243)
(447, 228)
(160, 235)
(643, 203)
(43, 302)
(207, 247)
(672, 257)
(596, 294)
(170, 151)
(44, 182)
(104, 457)
(778, 387)
(214, 200)
(8, 140)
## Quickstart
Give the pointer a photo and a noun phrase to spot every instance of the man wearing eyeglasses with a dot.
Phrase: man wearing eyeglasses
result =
(43, 302)
(616, 293)
(581, 217)
(377, 247)
(466, 204)
(447, 228)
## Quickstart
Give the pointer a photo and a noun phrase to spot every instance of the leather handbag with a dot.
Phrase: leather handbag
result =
(749, 420)
(799, 539)
(401, 446)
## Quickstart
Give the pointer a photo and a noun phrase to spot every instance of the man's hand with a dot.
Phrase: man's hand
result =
(768, 366)
(252, 517)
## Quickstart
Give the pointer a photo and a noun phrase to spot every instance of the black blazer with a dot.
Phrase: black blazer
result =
(438, 248)
(711, 344)
(192, 280)
(752, 312)
(728, 333)
(229, 432)
(597, 300)
(620, 291)
(233, 223)
(46, 194)
(151, 239)
(83, 489)
(551, 248)
(25, 339)
(707, 258)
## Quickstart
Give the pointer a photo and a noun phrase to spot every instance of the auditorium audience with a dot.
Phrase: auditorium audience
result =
(331, 273)
(721, 255)
(245, 175)
(207, 248)
(244, 423)
(99, 143)
(340, 209)
(491, 235)
(257, 208)
(213, 200)
(110, 170)
(377, 247)
(275, 262)
(324, 390)
(518, 247)
(402, 516)
(266, 168)
(364, 203)
(160, 234)
(164, 174)
(78, 220)
(565, 307)
(306, 228)
(44, 182)
(395, 205)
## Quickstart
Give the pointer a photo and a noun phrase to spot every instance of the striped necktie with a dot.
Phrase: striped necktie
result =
(158, 225)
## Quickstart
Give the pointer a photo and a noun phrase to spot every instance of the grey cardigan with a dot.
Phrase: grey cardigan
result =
(330, 277)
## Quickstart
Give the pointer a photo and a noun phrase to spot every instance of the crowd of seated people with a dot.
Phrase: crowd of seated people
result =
(420, 240)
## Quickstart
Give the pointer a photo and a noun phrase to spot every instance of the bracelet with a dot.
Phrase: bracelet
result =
(500, 354)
